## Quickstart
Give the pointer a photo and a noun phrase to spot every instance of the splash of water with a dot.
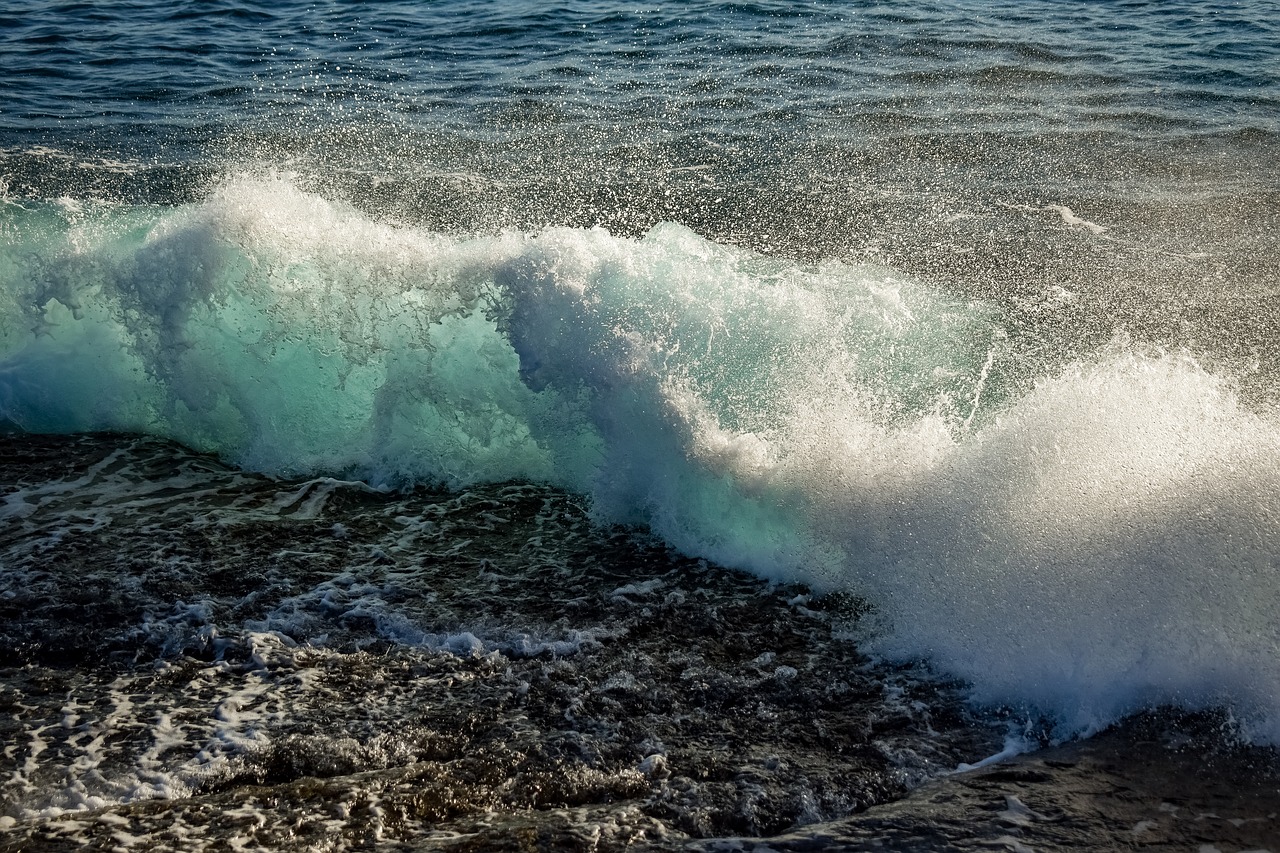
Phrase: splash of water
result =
(1084, 544)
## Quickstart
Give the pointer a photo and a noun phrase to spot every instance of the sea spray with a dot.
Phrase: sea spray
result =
(1081, 544)
(277, 330)
(1108, 544)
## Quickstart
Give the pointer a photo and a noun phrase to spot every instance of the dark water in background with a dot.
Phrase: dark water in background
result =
(963, 312)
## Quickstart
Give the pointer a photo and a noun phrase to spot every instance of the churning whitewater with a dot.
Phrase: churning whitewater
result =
(1080, 542)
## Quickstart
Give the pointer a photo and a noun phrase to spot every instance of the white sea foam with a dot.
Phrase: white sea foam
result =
(1083, 544)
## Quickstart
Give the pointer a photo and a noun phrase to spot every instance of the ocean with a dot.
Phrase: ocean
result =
(714, 426)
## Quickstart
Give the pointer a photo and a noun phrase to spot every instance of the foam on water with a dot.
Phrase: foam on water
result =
(1083, 544)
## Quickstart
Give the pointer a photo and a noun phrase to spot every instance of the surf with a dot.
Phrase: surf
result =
(1080, 542)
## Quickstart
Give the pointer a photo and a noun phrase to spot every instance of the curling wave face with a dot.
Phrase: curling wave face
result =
(1082, 544)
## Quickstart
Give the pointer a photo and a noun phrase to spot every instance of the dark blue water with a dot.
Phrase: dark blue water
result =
(1044, 92)
(212, 68)
(963, 312)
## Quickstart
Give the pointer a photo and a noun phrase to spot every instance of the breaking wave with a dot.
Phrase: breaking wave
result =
(1082, 544)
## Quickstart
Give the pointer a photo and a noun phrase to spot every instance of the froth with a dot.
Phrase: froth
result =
(1108, 544)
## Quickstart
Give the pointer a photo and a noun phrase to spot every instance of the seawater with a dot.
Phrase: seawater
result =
(965, 312)
(1098, 542)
